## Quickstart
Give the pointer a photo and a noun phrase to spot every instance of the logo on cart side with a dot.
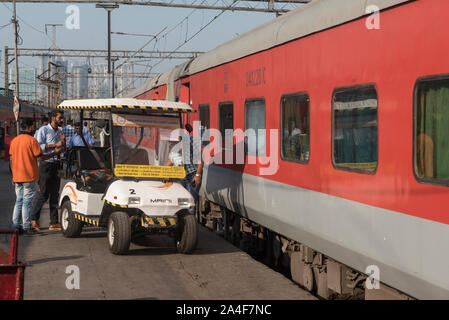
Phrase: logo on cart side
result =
(160, 201)
(71, 193)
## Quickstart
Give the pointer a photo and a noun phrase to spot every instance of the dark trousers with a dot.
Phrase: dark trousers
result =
(49, 188)
(187, 183)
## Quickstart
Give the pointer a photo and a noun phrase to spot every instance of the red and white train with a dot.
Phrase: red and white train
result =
(362, 179)
(8, 125)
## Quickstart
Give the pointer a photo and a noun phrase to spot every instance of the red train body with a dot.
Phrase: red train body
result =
(386, 217)
(8, 121)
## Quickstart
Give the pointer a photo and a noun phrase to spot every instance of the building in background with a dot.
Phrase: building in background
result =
(101, 83)
(27, 82)
(124, 79)
(80, 82)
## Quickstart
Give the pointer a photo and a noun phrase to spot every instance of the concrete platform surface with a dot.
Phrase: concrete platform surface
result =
(216, 270)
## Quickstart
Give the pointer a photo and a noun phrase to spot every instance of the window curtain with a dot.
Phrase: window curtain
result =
(433, 130)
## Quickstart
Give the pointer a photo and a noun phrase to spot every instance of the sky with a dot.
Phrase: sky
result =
(92, 33)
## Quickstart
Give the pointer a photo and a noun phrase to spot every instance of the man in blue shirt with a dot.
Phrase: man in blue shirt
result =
(68, 131)
(77, 141)
(193, 163)
(49, 138)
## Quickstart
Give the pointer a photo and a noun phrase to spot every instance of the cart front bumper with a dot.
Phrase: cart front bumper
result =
(159, 222)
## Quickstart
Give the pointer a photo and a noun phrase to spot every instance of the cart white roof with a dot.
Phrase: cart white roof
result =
(125, 104)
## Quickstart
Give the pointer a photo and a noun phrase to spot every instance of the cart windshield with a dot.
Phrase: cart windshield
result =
(141, 146)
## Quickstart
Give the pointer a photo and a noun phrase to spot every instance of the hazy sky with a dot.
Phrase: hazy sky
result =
(131, 19)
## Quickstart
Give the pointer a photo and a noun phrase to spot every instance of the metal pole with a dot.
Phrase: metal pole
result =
(16, 86)
(113, 80)
(57, 88)
(48, 84)
(6, 73)
(109, 44)
(109, 8)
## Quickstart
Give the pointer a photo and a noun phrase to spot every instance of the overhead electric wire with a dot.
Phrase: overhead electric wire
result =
(196, 33)
(186, 41)
(1, 27)
(29, 25)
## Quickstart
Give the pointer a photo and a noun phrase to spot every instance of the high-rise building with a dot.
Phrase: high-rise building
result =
(123, 80)
(101, 83)
(27, 83)
(80, 83)
(101, 80)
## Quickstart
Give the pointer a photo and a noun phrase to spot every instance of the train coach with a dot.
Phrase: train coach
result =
(360, 104)
(8, 127)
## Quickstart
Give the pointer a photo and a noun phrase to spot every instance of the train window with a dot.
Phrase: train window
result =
(149, 132)
(431, 132)
(255, 120)
(226, 119)
(355, 128)
(295, 133)
(204, 118)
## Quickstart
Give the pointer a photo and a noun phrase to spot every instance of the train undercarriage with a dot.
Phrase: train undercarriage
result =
(319, 274)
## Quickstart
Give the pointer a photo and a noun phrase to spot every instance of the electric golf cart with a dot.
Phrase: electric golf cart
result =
(125, 185)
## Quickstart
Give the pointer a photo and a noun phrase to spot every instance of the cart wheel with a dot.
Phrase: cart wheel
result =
(119, 232)
(71, 227)
(187, 240)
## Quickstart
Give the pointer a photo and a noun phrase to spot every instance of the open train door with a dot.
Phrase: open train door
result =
(184, 96)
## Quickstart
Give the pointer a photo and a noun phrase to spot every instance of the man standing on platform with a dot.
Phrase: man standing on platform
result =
(24, 152)
(68, 131)
(192, 161)
(49, 137)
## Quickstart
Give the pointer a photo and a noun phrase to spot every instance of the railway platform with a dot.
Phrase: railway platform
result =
(154, 270)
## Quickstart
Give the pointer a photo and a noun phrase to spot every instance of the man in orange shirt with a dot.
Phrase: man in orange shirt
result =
(24, 152)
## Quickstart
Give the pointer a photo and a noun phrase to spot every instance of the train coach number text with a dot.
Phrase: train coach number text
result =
(255, 77)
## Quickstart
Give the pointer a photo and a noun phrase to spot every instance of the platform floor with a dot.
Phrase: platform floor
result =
(216, 270)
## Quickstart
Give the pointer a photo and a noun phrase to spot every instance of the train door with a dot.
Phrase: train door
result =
(183, 95)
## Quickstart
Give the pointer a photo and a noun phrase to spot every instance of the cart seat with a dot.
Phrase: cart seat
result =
(81, 159)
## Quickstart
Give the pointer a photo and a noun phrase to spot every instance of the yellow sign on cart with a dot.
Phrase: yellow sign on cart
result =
(143, 171)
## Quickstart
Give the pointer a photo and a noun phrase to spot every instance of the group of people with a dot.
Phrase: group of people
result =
(34, 182)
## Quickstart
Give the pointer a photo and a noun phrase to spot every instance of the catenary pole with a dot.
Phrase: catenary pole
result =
(16, 106)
